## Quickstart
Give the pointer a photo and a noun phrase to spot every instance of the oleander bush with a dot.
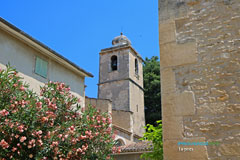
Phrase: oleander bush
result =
(49, 126)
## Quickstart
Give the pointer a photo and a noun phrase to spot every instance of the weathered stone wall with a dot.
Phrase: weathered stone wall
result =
(104, 105)
(136, 94)
(137, 107)
(199, 56)
(117, 92)
(123, 119)
(105, 72)
(138, 78)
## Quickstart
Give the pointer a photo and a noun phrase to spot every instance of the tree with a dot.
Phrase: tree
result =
(50, 126)
(154, 134)
(152, 94)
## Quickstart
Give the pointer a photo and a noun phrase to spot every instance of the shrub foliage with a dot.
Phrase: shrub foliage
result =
(154, 134)
(51, 125)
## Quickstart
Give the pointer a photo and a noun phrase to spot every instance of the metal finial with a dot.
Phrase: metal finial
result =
(121, 33)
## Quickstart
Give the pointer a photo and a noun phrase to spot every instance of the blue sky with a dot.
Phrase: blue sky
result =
(79, 29)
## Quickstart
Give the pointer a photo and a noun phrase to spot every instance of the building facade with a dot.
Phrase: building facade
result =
(37, 63)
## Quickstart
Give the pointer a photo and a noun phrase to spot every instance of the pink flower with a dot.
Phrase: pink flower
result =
(66, 136)
(32, 142)
(22, 88)
(39, 105)
(4, 144)
(118, 150)
(44, 119)
(55, 143)
(72, 128)
(79, 150)
(40, 142)
(22, 139)
(60, 136)
(4, 112)
(104, 120)
(20, 128)
(39, 132)
(14, 149)
(82, 137)
(109, 120)
(109, 129)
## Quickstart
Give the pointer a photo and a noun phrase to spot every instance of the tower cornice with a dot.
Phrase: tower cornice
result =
(124, 79)
(115, 48)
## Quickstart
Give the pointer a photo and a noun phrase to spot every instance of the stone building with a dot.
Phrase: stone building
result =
(199, 58)
(37, 63)
(121, 81)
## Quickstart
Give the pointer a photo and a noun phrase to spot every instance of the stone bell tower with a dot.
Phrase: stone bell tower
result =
(121, 80)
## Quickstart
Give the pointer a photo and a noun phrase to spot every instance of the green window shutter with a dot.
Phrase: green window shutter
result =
(41, 67)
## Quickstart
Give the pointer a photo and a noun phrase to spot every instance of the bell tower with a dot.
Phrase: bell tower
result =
(121, 80)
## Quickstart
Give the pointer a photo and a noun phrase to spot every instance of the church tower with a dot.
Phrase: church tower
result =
(121, 80)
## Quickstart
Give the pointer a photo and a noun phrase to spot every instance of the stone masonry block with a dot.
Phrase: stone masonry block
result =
(168, 81)
(181, 23)
(185, 103)
(167, 32)
(173, 54)
(168, 104)
(173, 152)
(172, 127)
(180, 104)
(230, 149)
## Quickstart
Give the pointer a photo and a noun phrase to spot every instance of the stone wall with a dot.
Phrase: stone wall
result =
(123, 119)
(199, 59)
(104, 105)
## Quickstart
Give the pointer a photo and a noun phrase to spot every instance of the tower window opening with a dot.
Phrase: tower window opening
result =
(114, 63)
(136, 66)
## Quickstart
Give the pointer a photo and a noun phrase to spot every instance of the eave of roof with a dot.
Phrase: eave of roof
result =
(16, 32)
(139, 147)
(121, 129)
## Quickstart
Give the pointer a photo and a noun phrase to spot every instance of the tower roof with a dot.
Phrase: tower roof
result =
(120, 40)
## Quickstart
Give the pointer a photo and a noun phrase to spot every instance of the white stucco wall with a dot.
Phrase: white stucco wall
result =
(22, 57)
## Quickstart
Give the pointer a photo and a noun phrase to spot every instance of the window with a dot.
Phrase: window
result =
(41, 67)
(114, 63)
(119, 143)
(137, 107)
(136, 66)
